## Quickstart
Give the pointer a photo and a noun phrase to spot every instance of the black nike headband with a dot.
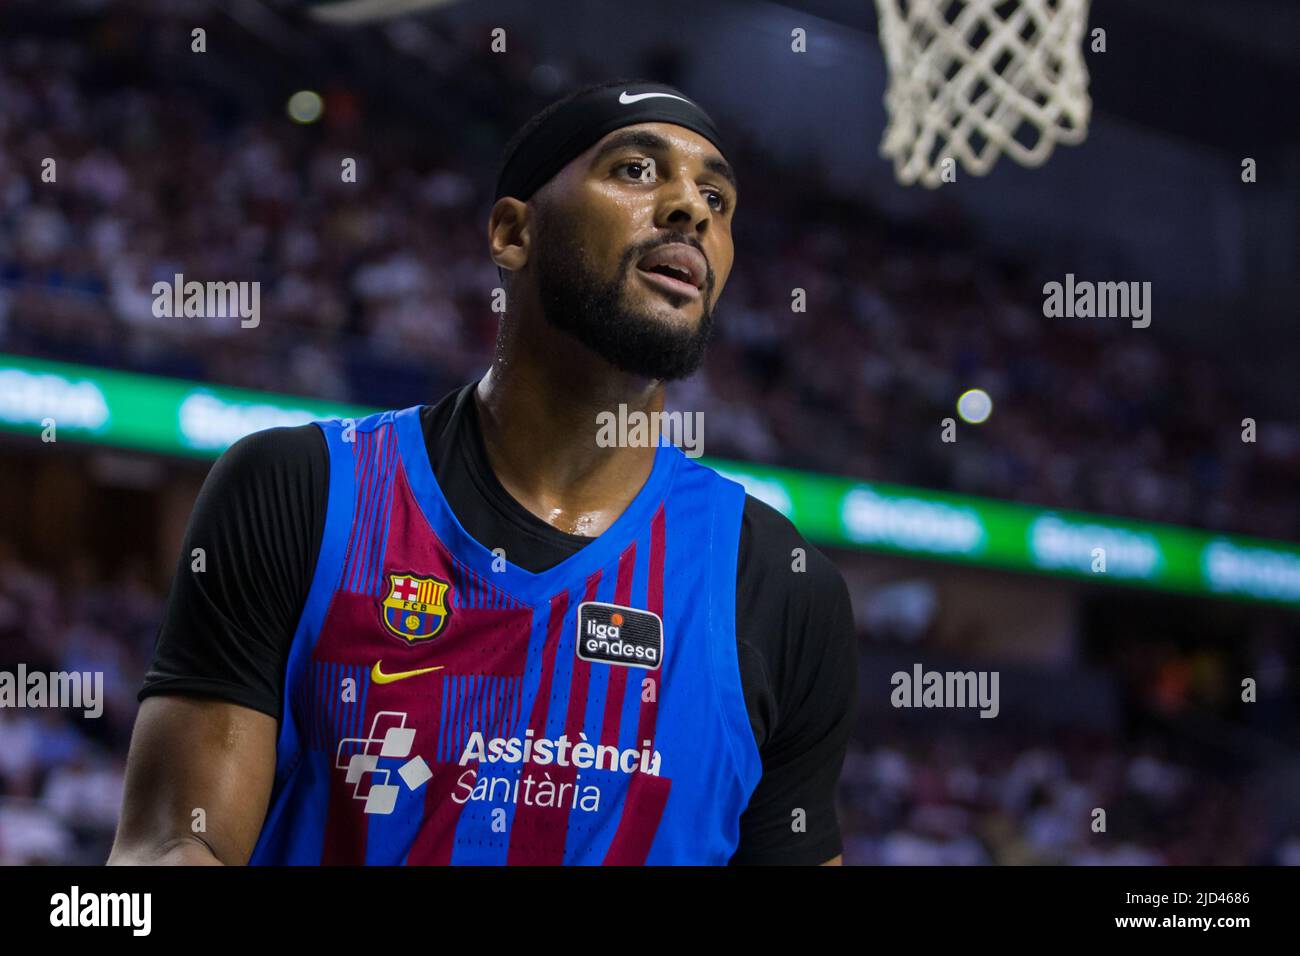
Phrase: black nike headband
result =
(582, 121)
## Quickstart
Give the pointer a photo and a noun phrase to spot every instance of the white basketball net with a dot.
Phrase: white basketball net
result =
(972, 79)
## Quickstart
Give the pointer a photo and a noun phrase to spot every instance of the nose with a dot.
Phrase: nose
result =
(682, 206)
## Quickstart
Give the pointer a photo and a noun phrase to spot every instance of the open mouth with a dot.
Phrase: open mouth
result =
(670, 279)
(675, 267)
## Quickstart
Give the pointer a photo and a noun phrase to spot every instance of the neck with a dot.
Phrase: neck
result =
(537, 410)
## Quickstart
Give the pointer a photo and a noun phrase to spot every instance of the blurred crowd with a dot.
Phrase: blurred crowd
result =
(379, 291)
(975, 798)
(61, 772)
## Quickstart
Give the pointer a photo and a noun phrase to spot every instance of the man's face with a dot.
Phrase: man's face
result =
(633, 246)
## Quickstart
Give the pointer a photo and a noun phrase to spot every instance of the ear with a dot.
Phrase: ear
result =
(510, 233)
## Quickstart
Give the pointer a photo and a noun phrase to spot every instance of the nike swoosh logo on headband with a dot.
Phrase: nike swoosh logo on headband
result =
(625, 97)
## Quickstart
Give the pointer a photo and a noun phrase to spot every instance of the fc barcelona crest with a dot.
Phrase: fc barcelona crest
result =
(416, 608)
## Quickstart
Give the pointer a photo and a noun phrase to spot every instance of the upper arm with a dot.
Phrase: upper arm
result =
(206, 733)
(244, 571)
(809, 658)
(198, 769)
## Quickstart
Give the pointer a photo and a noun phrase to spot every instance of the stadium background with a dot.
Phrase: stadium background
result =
(1113, 694)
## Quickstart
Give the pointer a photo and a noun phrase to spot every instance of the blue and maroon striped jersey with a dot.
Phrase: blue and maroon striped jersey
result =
(445, 706)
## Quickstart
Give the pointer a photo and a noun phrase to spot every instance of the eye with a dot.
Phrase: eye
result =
(645, 168)
(721, 198)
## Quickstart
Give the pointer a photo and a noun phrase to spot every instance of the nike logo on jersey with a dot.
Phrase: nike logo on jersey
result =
(627, 98)
(379, 677)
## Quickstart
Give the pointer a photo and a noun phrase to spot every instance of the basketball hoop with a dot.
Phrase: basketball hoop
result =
(972, 79)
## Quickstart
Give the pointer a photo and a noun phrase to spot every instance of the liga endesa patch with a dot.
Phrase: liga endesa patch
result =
(613, 634)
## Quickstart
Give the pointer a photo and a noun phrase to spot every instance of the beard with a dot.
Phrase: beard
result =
(576, 300)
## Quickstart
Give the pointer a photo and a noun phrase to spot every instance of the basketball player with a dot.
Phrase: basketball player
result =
(471, 632)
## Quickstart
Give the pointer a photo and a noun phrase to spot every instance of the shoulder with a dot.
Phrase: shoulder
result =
(775, 556)
(292, 449)
(269, 478)
(794, 621)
